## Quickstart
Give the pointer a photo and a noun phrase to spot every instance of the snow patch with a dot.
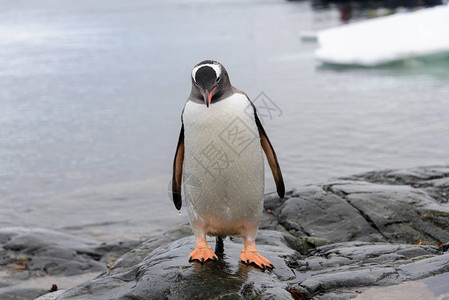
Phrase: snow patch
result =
(386, 39)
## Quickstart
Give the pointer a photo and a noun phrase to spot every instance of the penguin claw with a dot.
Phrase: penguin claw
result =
(202, 255)
(253, 257)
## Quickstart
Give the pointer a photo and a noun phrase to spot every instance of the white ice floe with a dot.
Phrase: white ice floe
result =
(387, 39)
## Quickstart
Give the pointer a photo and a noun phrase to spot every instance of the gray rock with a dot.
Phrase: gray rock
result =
(336, 269)
(22, 294)
(327, 216)
(405, 206)
(138, 254)
(329, 241)
(331, 270)
(426, 267)
(36, 253)
(166, 273)
(51, 296)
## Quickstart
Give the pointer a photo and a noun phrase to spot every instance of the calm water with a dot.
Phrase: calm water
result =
(91, 95)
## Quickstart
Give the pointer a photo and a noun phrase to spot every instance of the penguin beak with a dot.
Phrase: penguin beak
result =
(209, 98)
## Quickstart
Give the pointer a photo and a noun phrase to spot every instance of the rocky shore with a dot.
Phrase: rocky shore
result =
(342, 239)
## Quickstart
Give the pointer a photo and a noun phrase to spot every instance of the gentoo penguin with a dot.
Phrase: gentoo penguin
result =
(219, 161)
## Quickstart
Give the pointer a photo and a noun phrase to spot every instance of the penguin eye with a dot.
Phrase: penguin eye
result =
(218, 79)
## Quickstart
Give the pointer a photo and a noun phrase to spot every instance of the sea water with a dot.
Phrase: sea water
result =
(91, 95)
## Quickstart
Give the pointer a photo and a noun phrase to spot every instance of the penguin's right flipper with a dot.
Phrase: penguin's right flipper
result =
(269, 152)
(271, 157)
(177, 171)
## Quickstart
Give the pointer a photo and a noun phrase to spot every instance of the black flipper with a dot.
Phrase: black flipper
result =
(177, 171)
(271, 157)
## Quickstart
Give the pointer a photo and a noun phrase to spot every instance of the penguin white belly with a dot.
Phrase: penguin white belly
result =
(223, 171)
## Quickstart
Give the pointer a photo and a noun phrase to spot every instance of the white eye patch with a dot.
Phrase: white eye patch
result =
(216, 68)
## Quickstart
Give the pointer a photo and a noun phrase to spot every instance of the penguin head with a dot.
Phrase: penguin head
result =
(210, 82)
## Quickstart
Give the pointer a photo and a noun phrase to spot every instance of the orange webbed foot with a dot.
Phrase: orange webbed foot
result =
(203, 252)
(249, 255)
(252, 256)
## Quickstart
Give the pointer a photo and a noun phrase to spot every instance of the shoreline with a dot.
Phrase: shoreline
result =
(391, 224)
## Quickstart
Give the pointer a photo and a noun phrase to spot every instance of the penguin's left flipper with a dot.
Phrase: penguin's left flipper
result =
(177, 171)
(271, 157)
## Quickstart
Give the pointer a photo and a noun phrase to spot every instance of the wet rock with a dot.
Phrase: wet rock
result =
(434, 287)
(404, 206)
(334, 270)
(343, 268)
(29, 254)
(51, 296)
(138, 254)
(325, 215)
(411, 176)
(22, 294)
(329, 241)
(166, 272)
(434, 180)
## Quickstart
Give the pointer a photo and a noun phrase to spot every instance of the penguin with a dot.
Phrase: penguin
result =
(219, 162)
